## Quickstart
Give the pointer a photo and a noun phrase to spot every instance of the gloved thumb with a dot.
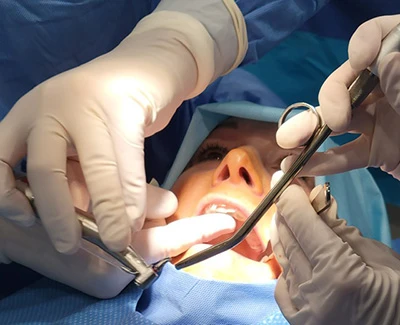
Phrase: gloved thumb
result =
(276, 244)
(276, 177)
(154, 244)
(161, 203)
(296, 131)
(366, 41)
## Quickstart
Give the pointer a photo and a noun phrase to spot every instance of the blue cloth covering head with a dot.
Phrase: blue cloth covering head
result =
(359, 200)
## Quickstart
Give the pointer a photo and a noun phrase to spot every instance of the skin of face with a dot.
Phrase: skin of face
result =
(232, 167)
(231, 172)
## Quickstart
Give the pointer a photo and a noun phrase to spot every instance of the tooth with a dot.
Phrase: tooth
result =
(267, 258)
(224, 210)
(214, 208)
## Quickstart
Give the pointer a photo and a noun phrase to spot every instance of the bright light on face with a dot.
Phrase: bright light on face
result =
(231, 173)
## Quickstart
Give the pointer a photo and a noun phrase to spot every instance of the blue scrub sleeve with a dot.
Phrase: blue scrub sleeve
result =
(270, 21)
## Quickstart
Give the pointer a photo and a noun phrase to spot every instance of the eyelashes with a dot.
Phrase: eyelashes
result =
(209, 152)
(214, 151)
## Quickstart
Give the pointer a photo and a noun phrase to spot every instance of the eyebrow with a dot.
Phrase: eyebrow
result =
(229, 124)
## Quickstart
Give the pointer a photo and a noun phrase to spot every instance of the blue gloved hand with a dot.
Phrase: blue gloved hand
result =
(377, 120)
(331, 274)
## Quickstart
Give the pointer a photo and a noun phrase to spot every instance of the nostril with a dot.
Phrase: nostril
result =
(246, 176)
(224, 174)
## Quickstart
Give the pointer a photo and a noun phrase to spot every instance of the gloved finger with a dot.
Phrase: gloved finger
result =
(46, 171)
(298, 270)
(349, 156)
(363, 120)
(297, 130)
(160, 203)
(298, 265)
(334, 98)
(284, 300)
(97, 157)
(154, 244)
(363, 247)
(276, 244)
(373, 254)
(327, 252)
(126, 125)
(352, 155)
(13, 204)
(77, 185)
(13, 132)
(277, 247)
(318, 242)
(294, 300)
(374, 96)
(366, 41)
(363, 49)
(300, 273)
(389, 71)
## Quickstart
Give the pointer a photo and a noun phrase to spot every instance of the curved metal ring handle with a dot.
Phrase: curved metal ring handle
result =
(290, 108)
(311, 108)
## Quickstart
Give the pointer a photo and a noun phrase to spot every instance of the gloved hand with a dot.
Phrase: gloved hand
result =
(103, 110)
(85, 271)
(331, 274)
(379, 143)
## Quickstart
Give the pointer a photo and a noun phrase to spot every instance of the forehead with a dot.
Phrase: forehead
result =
(245, 131)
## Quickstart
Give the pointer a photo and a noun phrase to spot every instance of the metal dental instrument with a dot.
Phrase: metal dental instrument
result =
(128, 260)
(359, 90)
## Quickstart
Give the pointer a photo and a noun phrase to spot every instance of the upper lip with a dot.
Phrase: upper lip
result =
(254, 238)
(219, 200)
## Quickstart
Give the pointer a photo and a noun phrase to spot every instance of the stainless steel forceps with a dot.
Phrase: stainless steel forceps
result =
(359, 90)
(128, 261)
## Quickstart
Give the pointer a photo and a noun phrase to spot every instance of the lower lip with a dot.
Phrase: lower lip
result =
(252, 240)
(245, 269)
(246, 248)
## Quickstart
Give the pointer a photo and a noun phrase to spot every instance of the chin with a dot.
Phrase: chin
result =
(231, 266)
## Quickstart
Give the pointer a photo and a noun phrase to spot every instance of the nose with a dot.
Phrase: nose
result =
(242, 167)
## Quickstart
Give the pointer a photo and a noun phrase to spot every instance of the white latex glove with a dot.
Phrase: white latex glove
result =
(88, 273)
(331, 274)
(379, 143)
(104, 109)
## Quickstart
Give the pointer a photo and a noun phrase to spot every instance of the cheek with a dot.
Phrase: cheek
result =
(265, 223)
(190, 188)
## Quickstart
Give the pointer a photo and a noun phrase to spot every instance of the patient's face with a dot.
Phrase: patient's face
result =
(231, 173)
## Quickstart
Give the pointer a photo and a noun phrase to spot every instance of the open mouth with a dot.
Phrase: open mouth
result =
(255, 245)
